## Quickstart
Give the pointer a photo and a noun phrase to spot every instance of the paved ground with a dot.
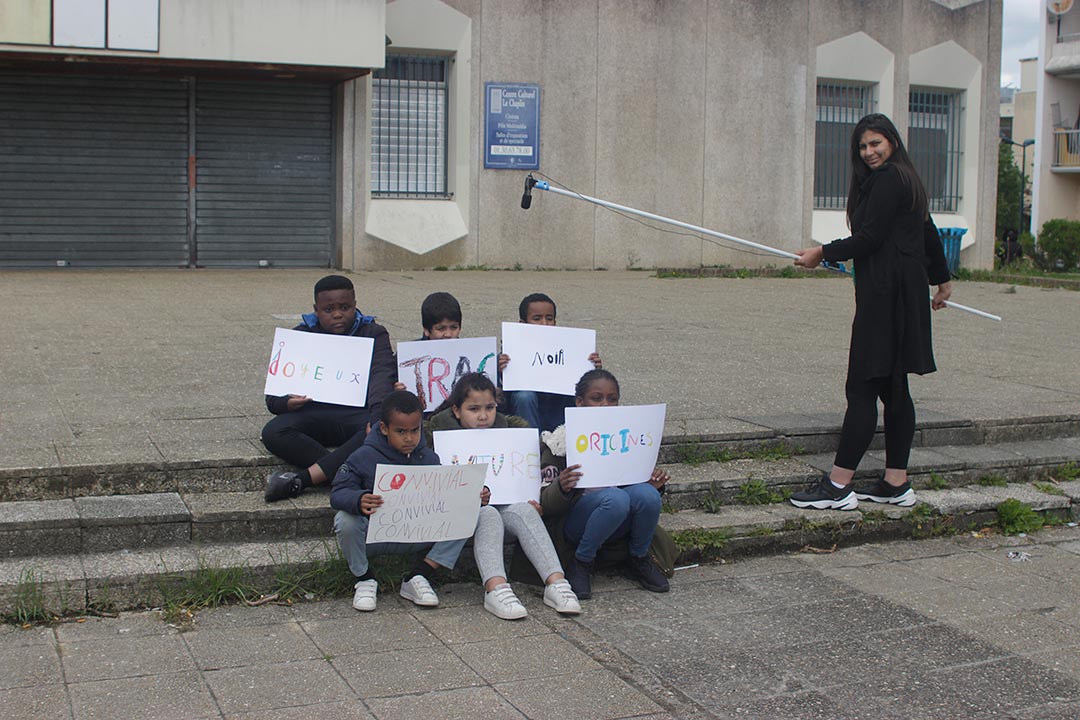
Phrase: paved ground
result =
(141, 366)
(943, 628)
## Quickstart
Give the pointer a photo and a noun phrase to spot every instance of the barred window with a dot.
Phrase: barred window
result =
(408, 127)
(840, 106)
(935, 119)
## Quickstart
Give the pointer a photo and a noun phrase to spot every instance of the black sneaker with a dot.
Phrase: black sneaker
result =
(883, 492)
(579, 574)
(644, 573)
(823, 495)
(282, 485)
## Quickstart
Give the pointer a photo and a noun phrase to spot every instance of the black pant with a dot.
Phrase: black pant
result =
(860, 421)
(300, 437)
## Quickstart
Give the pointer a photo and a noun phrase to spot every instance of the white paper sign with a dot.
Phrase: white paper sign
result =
(546, 358)
(511, 454)
(429, 368)
(426, 503)
(328, 368)
(614, 445)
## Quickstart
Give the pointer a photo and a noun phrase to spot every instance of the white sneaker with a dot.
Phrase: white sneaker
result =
(503, 603)
(560, 596)
(419, 591)
(364, 597)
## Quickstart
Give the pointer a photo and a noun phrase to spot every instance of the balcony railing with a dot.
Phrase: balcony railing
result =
(1067, 148)
(1068, 37)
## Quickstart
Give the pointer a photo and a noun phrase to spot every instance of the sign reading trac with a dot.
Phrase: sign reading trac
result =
(512, 126)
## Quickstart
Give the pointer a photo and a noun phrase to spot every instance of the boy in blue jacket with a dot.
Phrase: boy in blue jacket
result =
(397, 440)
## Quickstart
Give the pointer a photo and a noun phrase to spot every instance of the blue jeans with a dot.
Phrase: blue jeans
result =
(610, 514)
(351, 533)
(543, 411)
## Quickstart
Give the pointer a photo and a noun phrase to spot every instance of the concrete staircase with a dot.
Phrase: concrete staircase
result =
(121, 536)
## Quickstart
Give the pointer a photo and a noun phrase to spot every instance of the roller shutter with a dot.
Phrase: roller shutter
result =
(92, 171)
(264, 162)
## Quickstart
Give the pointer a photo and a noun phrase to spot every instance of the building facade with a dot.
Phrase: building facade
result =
(1056, 189)
(726, 114)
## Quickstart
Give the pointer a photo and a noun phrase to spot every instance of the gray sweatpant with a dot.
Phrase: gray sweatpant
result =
(520, 521)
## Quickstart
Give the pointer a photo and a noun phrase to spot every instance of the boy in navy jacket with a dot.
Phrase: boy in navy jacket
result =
(397, 440)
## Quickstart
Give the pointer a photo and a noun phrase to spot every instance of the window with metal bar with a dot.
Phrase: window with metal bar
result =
(935, 120)
(840, 105)
(409, 128)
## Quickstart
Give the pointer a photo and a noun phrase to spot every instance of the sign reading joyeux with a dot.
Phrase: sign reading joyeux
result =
(426, 503)
(614, 445)
(430, 368)
(512, 456)
(328, 368)
(546, 358)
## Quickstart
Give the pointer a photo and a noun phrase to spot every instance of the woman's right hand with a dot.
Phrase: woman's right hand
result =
(295, 402)
(503, 361)
(569, 477)
(810, 257)
(944, 292)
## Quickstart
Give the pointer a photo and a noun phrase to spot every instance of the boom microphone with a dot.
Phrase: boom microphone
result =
(526, 197)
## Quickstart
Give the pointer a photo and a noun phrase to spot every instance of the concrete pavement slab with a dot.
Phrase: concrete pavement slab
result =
(463, 624)
(121, 657)
(595, 695)
(29, 665)
(238, 646)
(397, 672)
(40, 701)
(460, 704)
(179, 696)
(280, 685)
(501, 661)
(345, 710)
(369, 632)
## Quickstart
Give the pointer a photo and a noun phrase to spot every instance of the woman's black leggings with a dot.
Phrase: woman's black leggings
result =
(860, 421)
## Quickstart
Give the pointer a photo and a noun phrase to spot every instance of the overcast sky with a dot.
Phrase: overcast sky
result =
(1021, 23)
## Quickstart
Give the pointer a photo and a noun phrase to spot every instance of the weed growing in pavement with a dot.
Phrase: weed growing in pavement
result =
(1067, 472)
(1015, 517)
(756, 492)
(28, 603)
(992, 480)
(692, 453)
(936, 482)
(712, 502)
(1049, 488)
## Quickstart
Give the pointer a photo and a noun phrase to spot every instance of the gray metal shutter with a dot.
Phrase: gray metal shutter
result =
(93, 171)
(263, 189)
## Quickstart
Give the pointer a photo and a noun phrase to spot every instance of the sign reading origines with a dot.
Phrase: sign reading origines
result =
(431, 368)
(546, 358)
(614, 445)
(512, 456)
(328, 368)
(512, 126)
(426, 503)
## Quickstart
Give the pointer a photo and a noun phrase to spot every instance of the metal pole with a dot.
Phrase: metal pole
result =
(1023, 181)
(544, 185)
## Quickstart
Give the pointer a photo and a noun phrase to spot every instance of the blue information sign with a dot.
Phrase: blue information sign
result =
(512, 126)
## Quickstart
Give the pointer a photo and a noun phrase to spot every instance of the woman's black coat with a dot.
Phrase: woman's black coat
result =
(897, 256)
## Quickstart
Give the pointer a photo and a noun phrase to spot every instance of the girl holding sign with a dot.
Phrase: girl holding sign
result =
(609, 525)
(471, 406)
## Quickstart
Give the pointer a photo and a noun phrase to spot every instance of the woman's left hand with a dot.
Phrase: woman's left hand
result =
(659, 478)
(485, 496)
(944, 292)
(594, 358)
(810, 257)
(538, 507)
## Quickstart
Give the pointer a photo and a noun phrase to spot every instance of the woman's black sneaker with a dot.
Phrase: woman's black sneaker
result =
(823, 495)
(883, 492)
(642, 571)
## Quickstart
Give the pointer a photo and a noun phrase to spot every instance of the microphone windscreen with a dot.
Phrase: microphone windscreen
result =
(526, 200)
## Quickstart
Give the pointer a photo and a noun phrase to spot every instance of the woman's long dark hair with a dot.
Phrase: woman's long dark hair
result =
(876, 122)
(466, 384)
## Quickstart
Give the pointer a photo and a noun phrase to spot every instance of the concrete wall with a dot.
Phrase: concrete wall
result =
(334, 33)
(702, 110)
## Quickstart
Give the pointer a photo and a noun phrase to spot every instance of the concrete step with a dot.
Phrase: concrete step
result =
(147, 520)
(78, 582)
(202, 470)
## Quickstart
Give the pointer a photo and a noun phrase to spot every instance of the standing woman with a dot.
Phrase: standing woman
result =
(897, 253)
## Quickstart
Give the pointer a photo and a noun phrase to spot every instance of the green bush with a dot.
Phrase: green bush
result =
(1059, 245)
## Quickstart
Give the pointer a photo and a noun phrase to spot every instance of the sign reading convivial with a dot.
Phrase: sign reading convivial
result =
(512, 456)
(327, 368)
(426, 503)
(546, 358)
(614, 445)
(430, 368)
